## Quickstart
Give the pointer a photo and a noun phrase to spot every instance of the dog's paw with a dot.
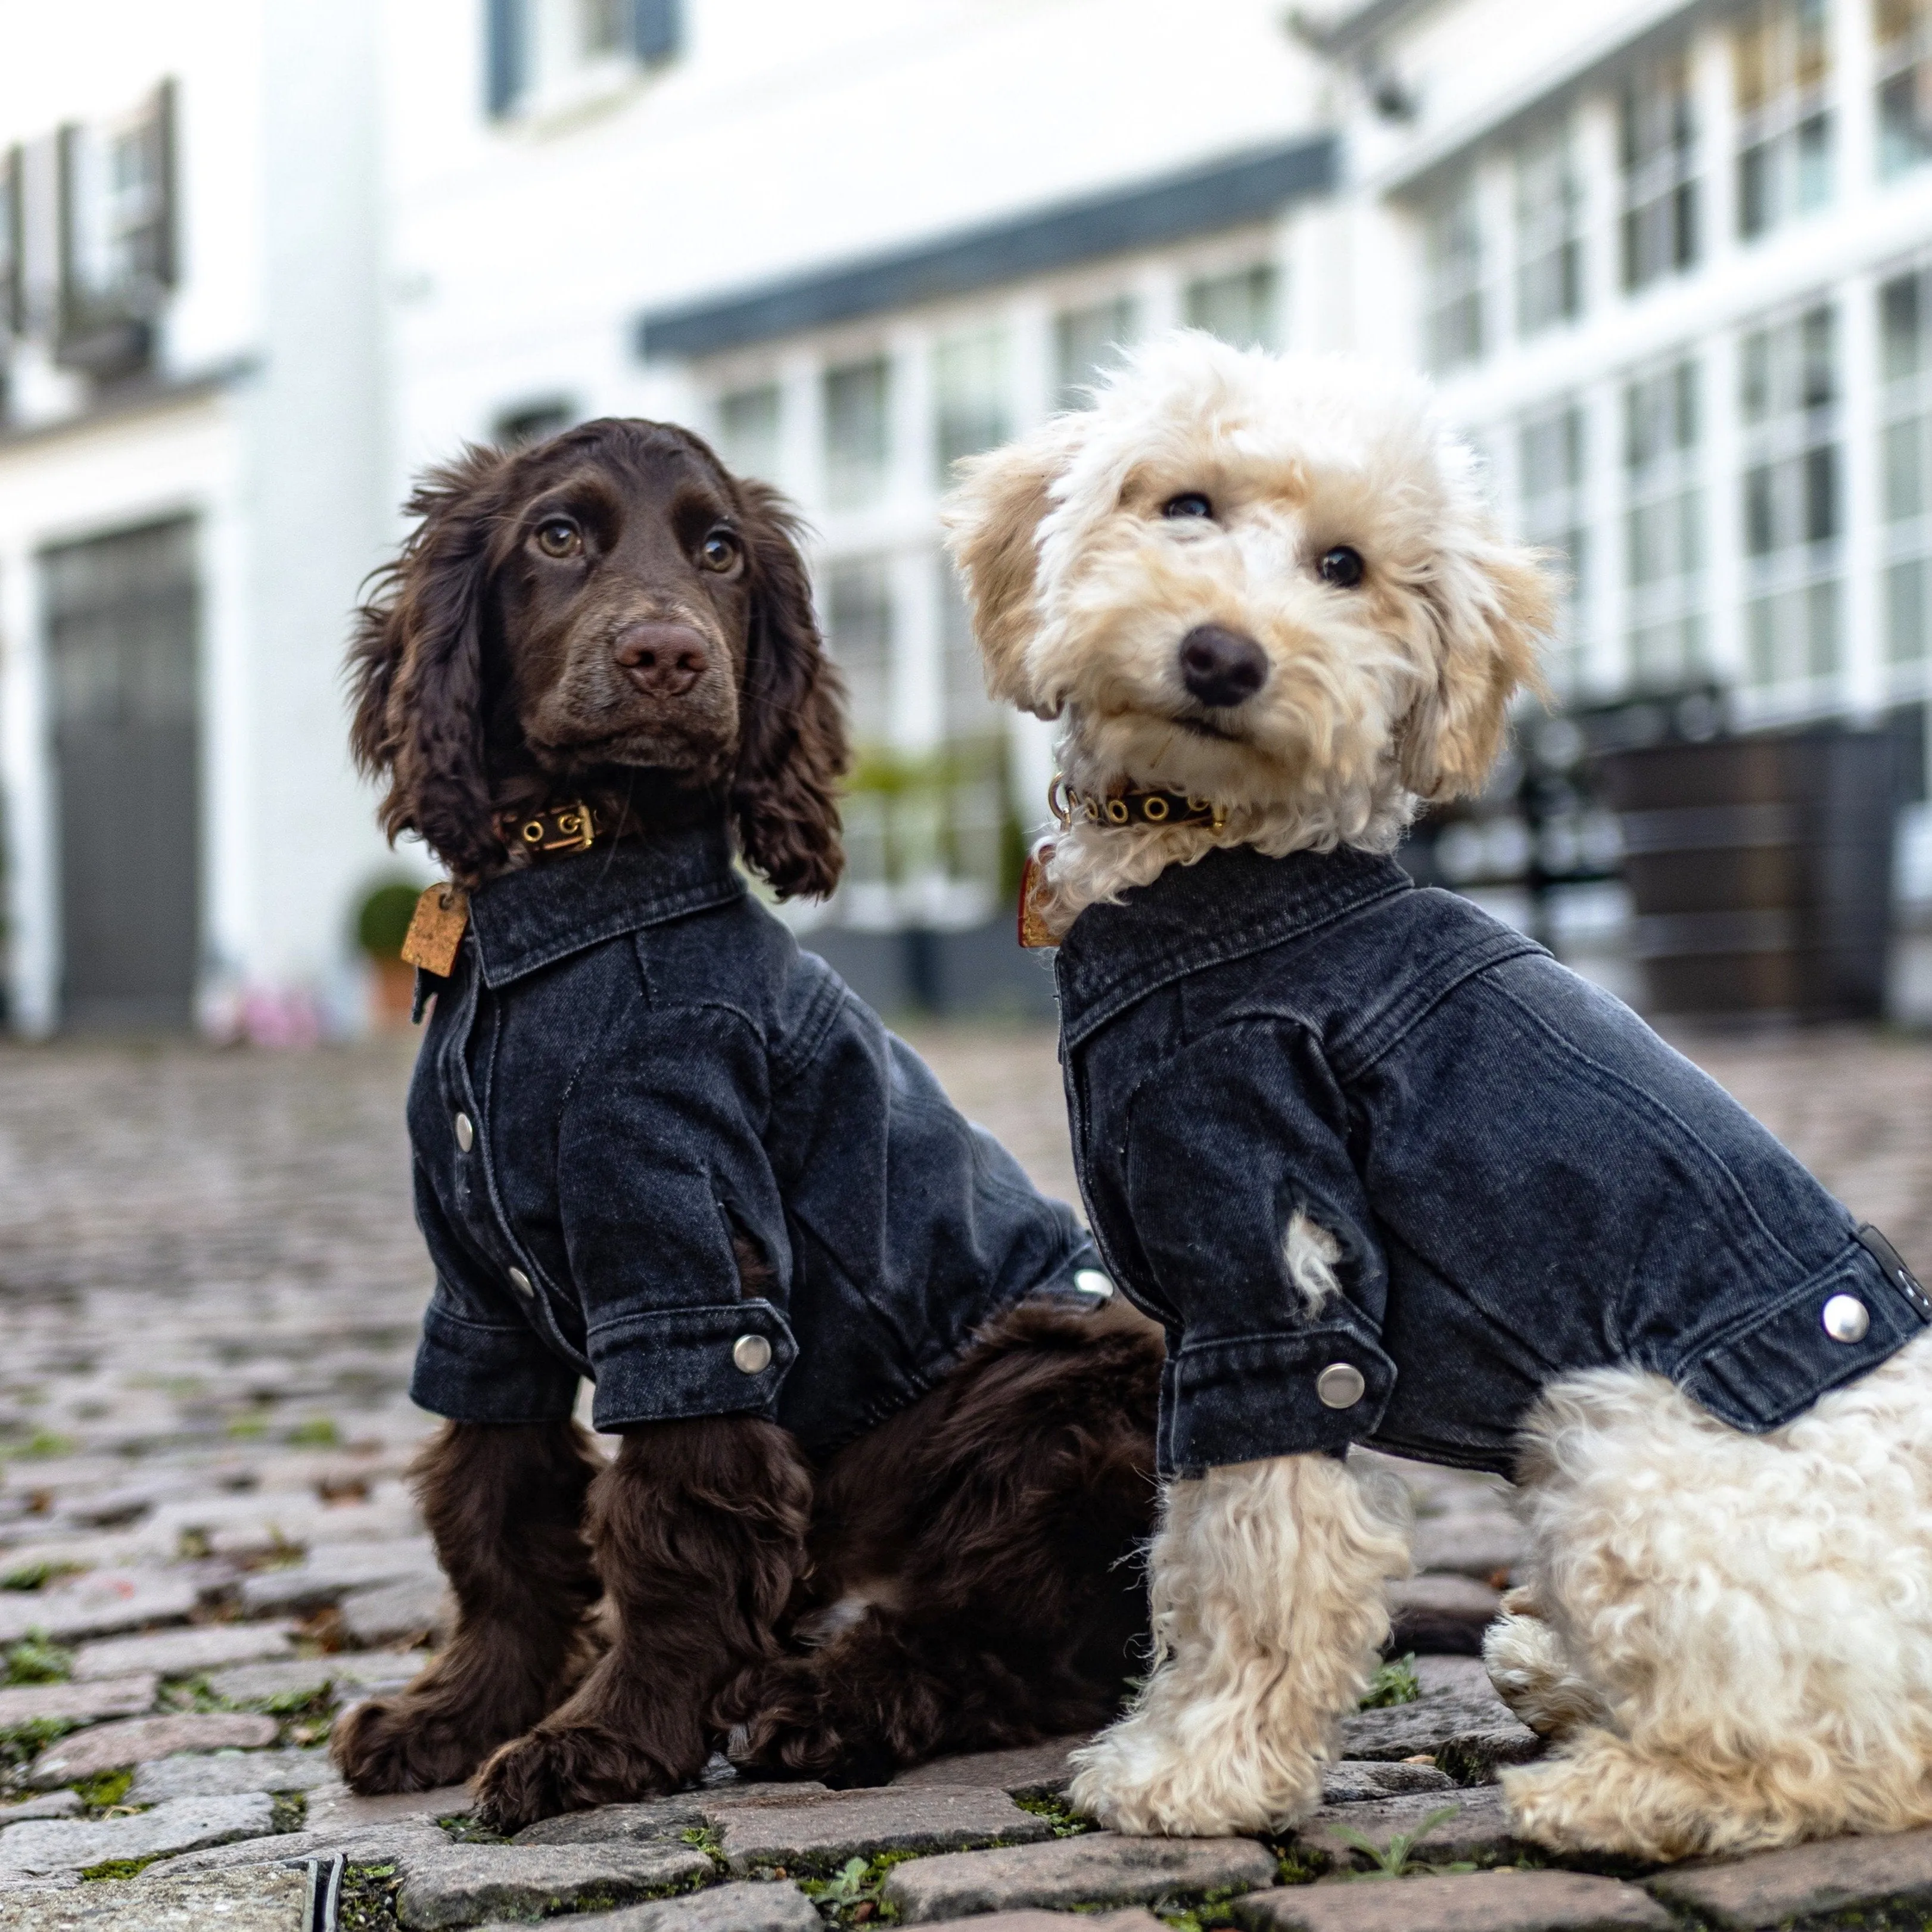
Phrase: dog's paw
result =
(1134, 1781)
(783, 1726)
(564, 1768)
(1532, 1673)
(402, 1744)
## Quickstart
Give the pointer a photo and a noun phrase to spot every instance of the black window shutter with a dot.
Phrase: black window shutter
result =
(655, 30)
(503, 27)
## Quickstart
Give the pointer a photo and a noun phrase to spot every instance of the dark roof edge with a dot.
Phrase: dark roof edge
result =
(1222, 194)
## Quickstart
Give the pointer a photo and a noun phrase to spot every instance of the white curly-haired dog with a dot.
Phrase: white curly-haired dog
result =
(1388, 1173)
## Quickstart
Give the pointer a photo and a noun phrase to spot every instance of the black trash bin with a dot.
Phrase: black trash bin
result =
(1760, 871)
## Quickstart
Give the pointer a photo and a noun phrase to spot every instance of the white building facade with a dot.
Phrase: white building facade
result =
(1667, 263)
(191, 485)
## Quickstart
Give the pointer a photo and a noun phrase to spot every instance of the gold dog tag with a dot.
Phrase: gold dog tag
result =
(1034, 931)
(436, 929)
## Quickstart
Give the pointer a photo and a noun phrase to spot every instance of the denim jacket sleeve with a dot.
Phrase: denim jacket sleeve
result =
(481, 1360)
(661, 1159)
(1225, 1147)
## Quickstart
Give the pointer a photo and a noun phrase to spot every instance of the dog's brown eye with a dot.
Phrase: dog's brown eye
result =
(718, 551)
(1342, 567)
(1189, 503)
(558, 537)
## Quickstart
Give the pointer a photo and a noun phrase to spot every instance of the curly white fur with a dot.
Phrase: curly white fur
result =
(1311, 1253)
(1754, 1614)
(1268, 1611)
(1729, 1635)
(1376, 695)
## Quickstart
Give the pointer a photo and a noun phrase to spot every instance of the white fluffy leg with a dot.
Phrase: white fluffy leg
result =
(1753, 1613)
(1531, 1671)
(1268, 1611)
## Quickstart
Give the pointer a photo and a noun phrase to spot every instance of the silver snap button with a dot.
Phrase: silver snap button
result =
(1846, 1318)
(520, 1281)
(465, 1134)
(752, 1353)
(1340, 1385)
(1091, 1281)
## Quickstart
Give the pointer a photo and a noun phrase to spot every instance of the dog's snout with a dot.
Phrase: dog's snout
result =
(1221, 668)
(665, 659)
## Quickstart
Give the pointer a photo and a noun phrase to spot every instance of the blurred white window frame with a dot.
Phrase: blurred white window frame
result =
(1905, 479)
(1549, 230)
(1551, 474)
(1902, 31)
(1657, 158)
(1789, 397)
(1663, 524)
(1781, 54)
(1455, 329)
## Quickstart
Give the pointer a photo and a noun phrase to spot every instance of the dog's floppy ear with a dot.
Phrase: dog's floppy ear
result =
(415, 666)
(1488, 602)
(992, 522)
(792, 743)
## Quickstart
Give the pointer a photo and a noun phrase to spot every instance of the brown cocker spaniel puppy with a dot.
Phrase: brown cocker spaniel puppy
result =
(873, 1559)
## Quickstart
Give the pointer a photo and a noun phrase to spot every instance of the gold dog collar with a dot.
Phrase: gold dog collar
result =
(1132, 807)
(557, 828)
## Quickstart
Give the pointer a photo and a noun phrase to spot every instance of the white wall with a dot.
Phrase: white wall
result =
(284, 465)
(785, 138)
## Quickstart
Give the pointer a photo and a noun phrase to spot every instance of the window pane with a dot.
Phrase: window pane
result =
(970, 389)
(1453, 264)
(1548, 202)
(1239, 308)
(1658, 149)
(858, 633)
(857, 432)
(1790, 489)
(748, 430)
(1781, 62)
(1086, 342)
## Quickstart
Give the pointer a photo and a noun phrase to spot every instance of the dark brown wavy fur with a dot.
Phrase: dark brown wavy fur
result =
(998, 1522)
(430, 711)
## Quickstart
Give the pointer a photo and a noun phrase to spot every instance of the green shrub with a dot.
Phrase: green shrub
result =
(382, 920)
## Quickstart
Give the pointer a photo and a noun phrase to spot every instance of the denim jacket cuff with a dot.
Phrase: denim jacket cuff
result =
(665, 1363)
(1760, 1374)
(1249, 1397)
(477, 1371)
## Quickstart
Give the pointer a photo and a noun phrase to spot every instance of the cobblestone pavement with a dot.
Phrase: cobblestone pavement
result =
(210, 1286)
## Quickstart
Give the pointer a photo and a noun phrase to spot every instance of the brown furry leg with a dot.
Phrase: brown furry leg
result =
(699, 1529)
(983, 1543)
(505, 1506)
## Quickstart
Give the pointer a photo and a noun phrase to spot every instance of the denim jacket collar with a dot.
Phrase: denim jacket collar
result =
(533, 918)
(1231, 903)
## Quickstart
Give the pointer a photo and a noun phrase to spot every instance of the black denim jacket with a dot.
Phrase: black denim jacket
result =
(630, 1063)
(1524, 1180)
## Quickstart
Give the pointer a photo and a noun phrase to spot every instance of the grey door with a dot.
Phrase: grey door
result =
(121, 616)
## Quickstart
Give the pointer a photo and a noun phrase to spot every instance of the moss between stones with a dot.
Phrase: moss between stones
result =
(703, 1838)
(21, 1744)
(851, 1896)
(368, 1899)
(103, 1790)
(1067, 1822)
(118, 1868)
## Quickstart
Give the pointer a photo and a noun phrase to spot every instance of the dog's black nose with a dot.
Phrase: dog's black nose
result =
(1221, 668)
(665, 660)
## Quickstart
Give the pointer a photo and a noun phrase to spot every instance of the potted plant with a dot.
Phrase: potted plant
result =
(381, 924)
